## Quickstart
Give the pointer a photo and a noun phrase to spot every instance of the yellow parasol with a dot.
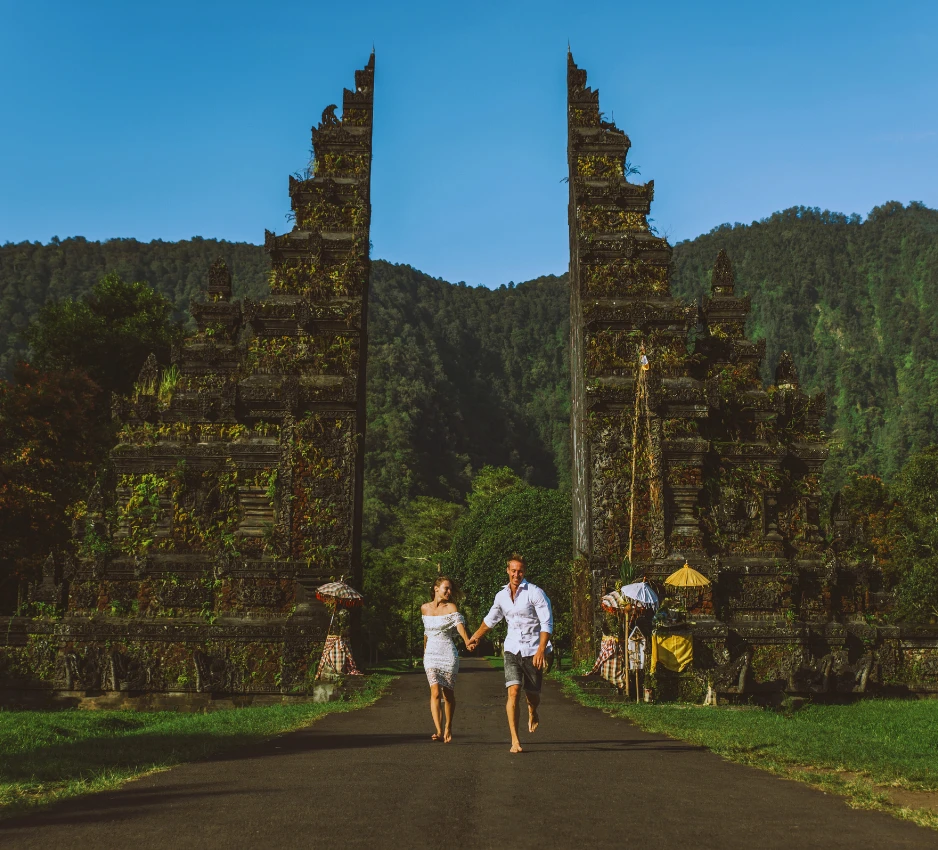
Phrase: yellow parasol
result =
(687, 576)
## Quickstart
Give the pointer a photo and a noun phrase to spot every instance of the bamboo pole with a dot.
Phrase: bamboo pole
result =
(639, 388)
(640, 391)
(637, 668)
(626, 636)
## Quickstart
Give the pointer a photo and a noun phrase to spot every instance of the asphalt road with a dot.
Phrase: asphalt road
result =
(373, 778)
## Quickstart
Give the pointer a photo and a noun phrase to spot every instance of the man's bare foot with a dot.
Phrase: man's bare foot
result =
(516, 748)
(533, 719)
(435, 736)
(447, 736)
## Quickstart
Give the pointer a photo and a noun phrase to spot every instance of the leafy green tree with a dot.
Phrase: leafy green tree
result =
(913, 537)
(492, 481)
(867, 503)
(460, 378)
(507, 516)
(895, 528)
(107, 333)
(425, 526)
(50, 443)
(398, 578)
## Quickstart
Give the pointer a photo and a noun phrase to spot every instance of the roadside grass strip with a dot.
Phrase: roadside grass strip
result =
(396, 666)
(498, 662)
(878, 753)
(46, 756)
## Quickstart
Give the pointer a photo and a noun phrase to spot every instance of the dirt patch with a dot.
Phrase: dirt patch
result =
(926, 800)
(900, 797)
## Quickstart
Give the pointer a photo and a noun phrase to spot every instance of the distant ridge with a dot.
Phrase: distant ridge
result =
(462, 376)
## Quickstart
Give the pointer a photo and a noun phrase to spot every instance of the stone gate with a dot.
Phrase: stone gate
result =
(236, 484)
(726, 471)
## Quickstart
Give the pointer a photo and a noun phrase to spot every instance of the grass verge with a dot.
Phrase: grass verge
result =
(879, 754)
(396, 666)
(498, 662)
(46, 756)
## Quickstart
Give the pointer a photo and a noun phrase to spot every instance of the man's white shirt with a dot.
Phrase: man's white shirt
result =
(528, 614)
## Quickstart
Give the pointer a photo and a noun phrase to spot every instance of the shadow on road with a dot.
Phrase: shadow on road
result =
(128, 803)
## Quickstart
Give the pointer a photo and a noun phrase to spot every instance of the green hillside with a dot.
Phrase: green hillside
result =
(31, 273)
(460, 377)
(856, 304)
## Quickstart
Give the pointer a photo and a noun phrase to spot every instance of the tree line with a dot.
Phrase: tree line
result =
(468, 388)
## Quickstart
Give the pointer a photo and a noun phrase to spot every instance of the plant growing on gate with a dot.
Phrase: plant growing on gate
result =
(140, 513)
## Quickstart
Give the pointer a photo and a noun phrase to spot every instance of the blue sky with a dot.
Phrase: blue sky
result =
(170, 120)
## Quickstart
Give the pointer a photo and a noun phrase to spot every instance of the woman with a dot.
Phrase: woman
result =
(441, 621)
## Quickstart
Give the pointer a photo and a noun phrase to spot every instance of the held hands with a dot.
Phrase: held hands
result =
(472, 643)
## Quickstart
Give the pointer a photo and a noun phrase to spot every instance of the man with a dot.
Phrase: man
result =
(527, 646)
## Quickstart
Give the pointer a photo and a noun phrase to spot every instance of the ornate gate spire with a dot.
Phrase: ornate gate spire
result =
(701, 405)
(238, 472)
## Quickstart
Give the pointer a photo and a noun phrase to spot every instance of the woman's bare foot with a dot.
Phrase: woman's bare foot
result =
(516, 748)
(447, 736)
(435, 736)
(533, 719)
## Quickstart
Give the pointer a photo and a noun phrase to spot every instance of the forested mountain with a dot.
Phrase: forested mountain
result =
(460, 377)
(31, 274)
(856, 304)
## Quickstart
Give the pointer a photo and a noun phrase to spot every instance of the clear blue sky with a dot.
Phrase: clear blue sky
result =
(166, 120)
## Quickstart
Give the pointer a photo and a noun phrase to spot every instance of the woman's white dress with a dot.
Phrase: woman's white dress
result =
(441, 658)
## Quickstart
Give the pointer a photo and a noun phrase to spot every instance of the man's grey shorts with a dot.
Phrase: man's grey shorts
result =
(520, 670)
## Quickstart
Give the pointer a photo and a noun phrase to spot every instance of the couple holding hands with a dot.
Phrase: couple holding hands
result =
(527, 611)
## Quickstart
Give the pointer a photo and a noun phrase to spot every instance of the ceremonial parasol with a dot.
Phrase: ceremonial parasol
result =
(687, 576)
(337, 654)
(608, 662)
(642, 593)
(613, 602)
(339, 593)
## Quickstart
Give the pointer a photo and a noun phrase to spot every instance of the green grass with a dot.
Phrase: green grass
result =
(862, 750)
(51, 755)
(498, 662)
(396, 666)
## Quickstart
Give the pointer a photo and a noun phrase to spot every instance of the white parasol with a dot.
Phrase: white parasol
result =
(642, 593)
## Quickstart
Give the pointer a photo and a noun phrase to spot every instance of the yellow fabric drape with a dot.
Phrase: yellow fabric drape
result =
(674, 652)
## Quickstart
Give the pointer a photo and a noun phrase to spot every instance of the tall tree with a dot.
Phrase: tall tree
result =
(107, 334)
(50, 442)
(398, 577)
(508, 516)
(55, 426)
